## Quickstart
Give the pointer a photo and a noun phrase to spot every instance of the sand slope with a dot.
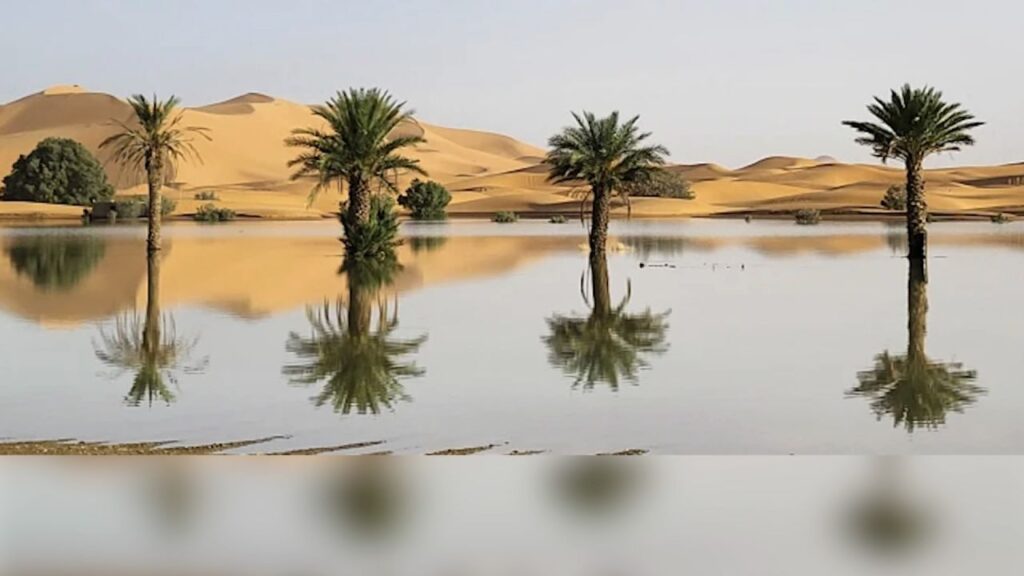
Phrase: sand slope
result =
(246, 164)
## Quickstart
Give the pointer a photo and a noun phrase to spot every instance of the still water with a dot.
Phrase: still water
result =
(693, 337)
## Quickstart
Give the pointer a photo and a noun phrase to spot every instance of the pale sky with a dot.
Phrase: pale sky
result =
(726, 81)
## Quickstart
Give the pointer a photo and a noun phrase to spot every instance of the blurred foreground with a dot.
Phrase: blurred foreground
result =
(566, 516)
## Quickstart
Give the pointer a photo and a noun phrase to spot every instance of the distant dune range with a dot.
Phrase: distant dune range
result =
(246, 165)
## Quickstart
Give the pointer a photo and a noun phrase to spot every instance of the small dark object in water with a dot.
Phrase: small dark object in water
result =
(747, 219)
(641, 264)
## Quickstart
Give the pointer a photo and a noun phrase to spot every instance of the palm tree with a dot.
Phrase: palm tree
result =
(607, 156)
(357, 151)
(913, 389)
(154, 141)
(149, 347)
(608, 344)
(361, 360)
(914, 124)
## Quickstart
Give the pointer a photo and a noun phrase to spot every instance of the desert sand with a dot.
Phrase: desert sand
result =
(246, 165)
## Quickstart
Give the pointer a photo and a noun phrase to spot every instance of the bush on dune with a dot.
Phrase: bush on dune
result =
(212, 213)
(808, 216)
(57, 171)
(662, 184)
(425, 200)
(505, 217)
(895, 198)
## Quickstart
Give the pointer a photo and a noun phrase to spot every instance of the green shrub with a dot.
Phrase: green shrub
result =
(662, 184)
(895, 198)
(58, 171)
(808, 216)
(130, 207)
(206, 196)
(426, 243)
(1002, 218)
(375, 240)
(557, 219)
(167, 206)
(505, 217)
(211, 213)
(425, 200)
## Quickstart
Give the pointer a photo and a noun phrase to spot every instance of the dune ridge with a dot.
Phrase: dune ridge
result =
(246, 164)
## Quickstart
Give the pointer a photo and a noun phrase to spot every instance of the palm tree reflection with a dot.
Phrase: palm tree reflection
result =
(913, 389)
(608, 344)
(149, 347)
(354, 350)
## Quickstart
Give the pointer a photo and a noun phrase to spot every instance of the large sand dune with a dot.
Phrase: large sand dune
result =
(246, 164)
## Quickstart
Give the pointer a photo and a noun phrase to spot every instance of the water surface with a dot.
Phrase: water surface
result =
(730, 338)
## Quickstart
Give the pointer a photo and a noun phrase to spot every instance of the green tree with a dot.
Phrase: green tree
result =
(608, 344)
(425, 200)
(149, 347)
(55, 262)
(662, 184)
(913, 124)
(154, 141)
(58, 171)
(358, 151)
(913, 389)
(353, 350)
(607, 156)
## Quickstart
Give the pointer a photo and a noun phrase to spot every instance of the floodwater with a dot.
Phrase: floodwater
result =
(693, 337)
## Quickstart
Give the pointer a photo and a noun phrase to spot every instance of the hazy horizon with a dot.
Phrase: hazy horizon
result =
(728, 83)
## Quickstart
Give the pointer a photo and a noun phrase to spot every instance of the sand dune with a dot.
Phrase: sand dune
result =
(246, 164)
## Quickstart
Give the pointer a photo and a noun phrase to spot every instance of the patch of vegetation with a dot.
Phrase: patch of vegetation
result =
(557, 219)
(425, 200)
(895, 198)
(808, 216)
(134, 207)
(167, 206)
(213, 213)
(375, 240)
(661, 184)
(206, 196)
(1002, 218)
(130, 208)
(505, 217)
(57, 171)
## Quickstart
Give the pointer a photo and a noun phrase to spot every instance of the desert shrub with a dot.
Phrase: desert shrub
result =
(808, 216)
(213, 213)
(130, 208)
(557, 219)
(895, 198)
(375, 240)
(662, 184)
(1002, 218)
(206, 196)
(425, 200)
(58, 171)
(167, 206)
(505, 217)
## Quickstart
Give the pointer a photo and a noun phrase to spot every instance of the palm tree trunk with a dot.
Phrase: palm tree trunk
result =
(917, 212)
(358, 202)
(599, 285)
(599, 221)
(154, 177)
(917, 311)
